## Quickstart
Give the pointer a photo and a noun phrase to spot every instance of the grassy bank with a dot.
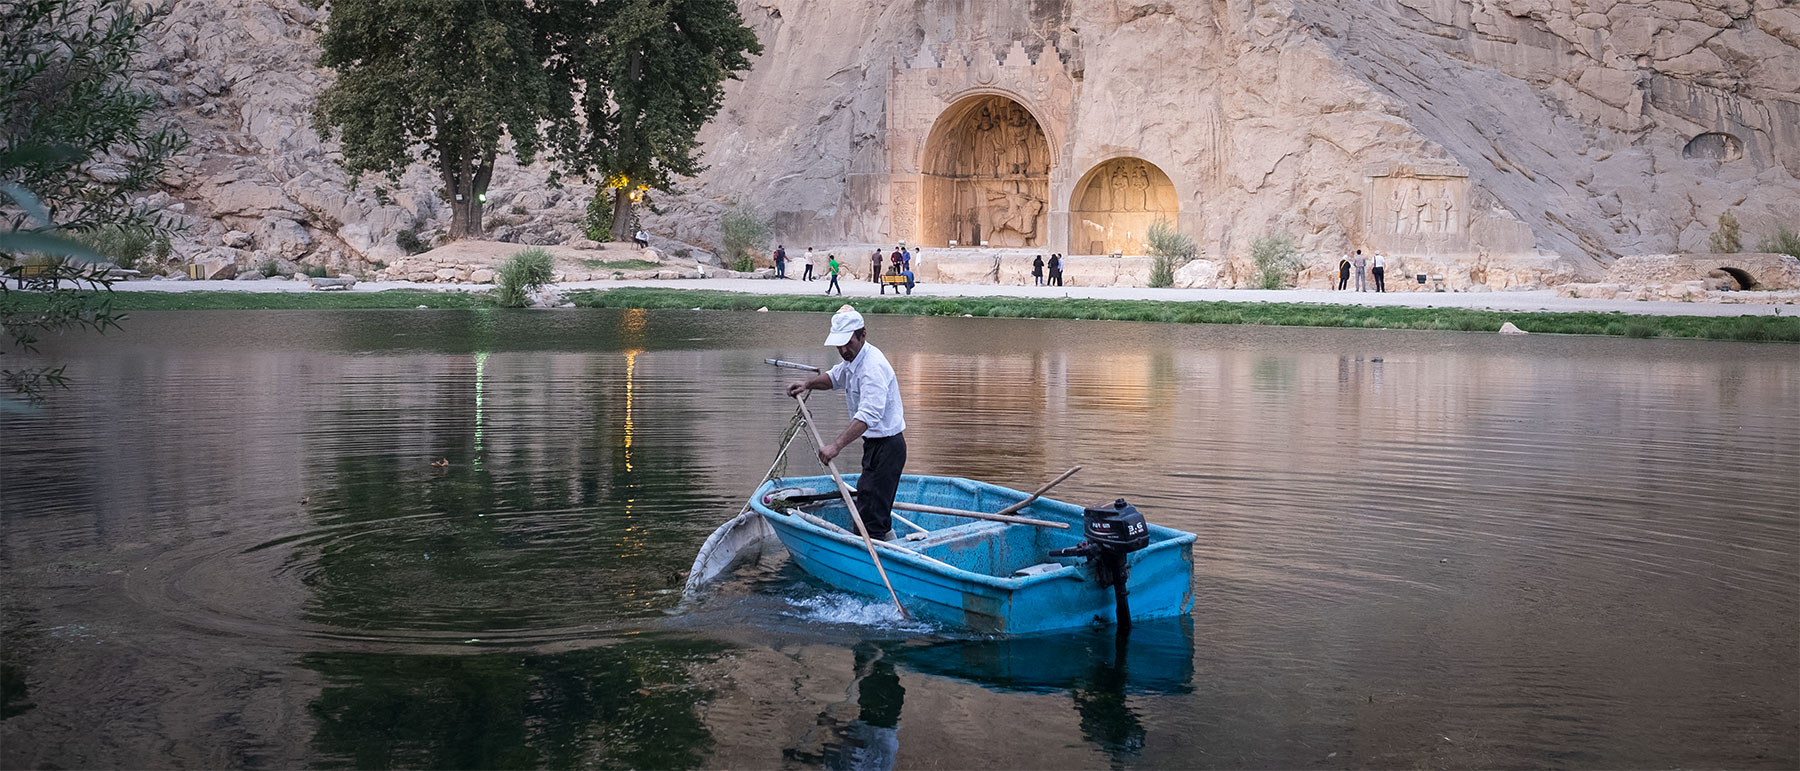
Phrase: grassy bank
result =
(1746, 328)
(279, 301)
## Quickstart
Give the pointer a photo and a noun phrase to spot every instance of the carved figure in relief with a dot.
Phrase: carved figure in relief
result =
(1428, 210)
(1140, 188)
(1019, 143)
(1396, 204)
(1119, 180)
(1447, 209)
(1016, 210)
(1419, 214)
(989, 144)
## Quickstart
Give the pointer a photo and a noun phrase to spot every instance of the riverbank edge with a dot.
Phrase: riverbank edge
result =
(1730, 328)
(1618, 324)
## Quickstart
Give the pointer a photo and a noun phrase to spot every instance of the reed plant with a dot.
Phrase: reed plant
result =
(523, 273)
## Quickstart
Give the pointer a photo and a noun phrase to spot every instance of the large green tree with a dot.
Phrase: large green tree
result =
(77, 139)
(654, 72)
(444, 82)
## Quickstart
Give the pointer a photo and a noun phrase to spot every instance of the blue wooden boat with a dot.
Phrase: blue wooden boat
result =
(979, 575)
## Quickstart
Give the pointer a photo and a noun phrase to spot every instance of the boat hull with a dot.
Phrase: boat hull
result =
(965, 573)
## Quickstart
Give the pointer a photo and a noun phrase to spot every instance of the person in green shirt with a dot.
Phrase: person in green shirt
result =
(832, 267)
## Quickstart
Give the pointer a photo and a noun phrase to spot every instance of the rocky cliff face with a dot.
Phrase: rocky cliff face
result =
(1573, 131)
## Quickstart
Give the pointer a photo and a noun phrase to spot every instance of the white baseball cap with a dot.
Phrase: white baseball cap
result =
(843, 323)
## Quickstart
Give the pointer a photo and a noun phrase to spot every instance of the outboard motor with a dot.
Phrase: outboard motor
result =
(1112, 532)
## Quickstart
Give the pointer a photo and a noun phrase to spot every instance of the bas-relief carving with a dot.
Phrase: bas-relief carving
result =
(1113, 210)
(987, 176)
(1420, 207)
(906, 211)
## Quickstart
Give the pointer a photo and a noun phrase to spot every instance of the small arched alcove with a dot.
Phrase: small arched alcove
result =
(1714, 145)
(1115, 203)
(987, 175)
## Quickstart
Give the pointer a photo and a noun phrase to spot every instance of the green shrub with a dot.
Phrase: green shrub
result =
(1275, 259)
(744, 264)
(267, 268)
(521, 275)
(1726, 239)
(745, 231)
(408, 240)
(124, 246)
(313, 271)
(597, 224)
(1169, 250)
(1784, 241)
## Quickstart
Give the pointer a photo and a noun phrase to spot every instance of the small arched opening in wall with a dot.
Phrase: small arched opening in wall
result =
(987, 176)
(1714, 145)
(1742, 277)
(1115, 203)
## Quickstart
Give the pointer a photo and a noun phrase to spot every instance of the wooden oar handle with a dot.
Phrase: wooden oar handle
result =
(850, 503)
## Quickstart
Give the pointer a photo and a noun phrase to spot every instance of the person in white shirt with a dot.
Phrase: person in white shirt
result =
(1378, 266)
(872, 393)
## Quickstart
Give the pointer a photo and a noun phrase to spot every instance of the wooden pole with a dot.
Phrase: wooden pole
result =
(850, 503)
(1040, 491)
(924, 509)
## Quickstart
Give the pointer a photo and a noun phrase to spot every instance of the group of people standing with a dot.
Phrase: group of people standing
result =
(901, 265)
(1055, 278)
(1362, 267)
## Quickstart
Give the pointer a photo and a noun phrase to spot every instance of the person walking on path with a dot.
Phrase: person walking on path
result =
(1343, 272)
(780, 261)
(808, 275)
(1379, 267)
(1037, 270)
(1360, 265)
(832, 267)
(872, 393)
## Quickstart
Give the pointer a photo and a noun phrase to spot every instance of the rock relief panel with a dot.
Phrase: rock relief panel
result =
(1114, 206)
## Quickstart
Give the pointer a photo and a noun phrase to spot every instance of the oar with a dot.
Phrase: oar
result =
(791, 365)
(924, 509)
(850, 503)
(1040, 491)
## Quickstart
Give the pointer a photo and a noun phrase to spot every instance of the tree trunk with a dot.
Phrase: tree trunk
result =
(622, 215)
(466, 181)
(628, 151)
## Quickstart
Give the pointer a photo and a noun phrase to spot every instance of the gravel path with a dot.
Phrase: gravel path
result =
(1538, 300)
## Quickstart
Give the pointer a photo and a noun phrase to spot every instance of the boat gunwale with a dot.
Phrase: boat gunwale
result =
(1174, 538)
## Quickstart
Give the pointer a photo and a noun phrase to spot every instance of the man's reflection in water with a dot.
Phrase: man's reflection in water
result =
(872, 740)
(1106, 719)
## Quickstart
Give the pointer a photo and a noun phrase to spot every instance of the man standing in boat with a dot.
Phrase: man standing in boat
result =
(872, 392)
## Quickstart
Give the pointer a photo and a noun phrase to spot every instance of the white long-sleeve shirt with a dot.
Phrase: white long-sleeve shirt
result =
(871, 391)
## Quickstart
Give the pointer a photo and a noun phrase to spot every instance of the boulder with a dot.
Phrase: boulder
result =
(342, 282)
(237, 239)
(1203, 274)
(250, 276)
(481, 276)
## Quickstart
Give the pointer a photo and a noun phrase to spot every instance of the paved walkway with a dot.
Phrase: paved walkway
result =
(1538, 300)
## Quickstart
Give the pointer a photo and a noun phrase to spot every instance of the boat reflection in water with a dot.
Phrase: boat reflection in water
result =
(1099, 667)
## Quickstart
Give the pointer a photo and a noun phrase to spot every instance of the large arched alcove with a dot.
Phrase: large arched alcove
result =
(987, 176)
(1114, 205)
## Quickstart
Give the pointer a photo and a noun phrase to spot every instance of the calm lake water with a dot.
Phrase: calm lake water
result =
(229, 547)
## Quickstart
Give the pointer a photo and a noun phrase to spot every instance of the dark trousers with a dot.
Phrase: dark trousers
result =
(833, 285)
(1056, 278)
(781, 269)
(807, 276)
(1380, 285)
(882, 461)
(1343, 278)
